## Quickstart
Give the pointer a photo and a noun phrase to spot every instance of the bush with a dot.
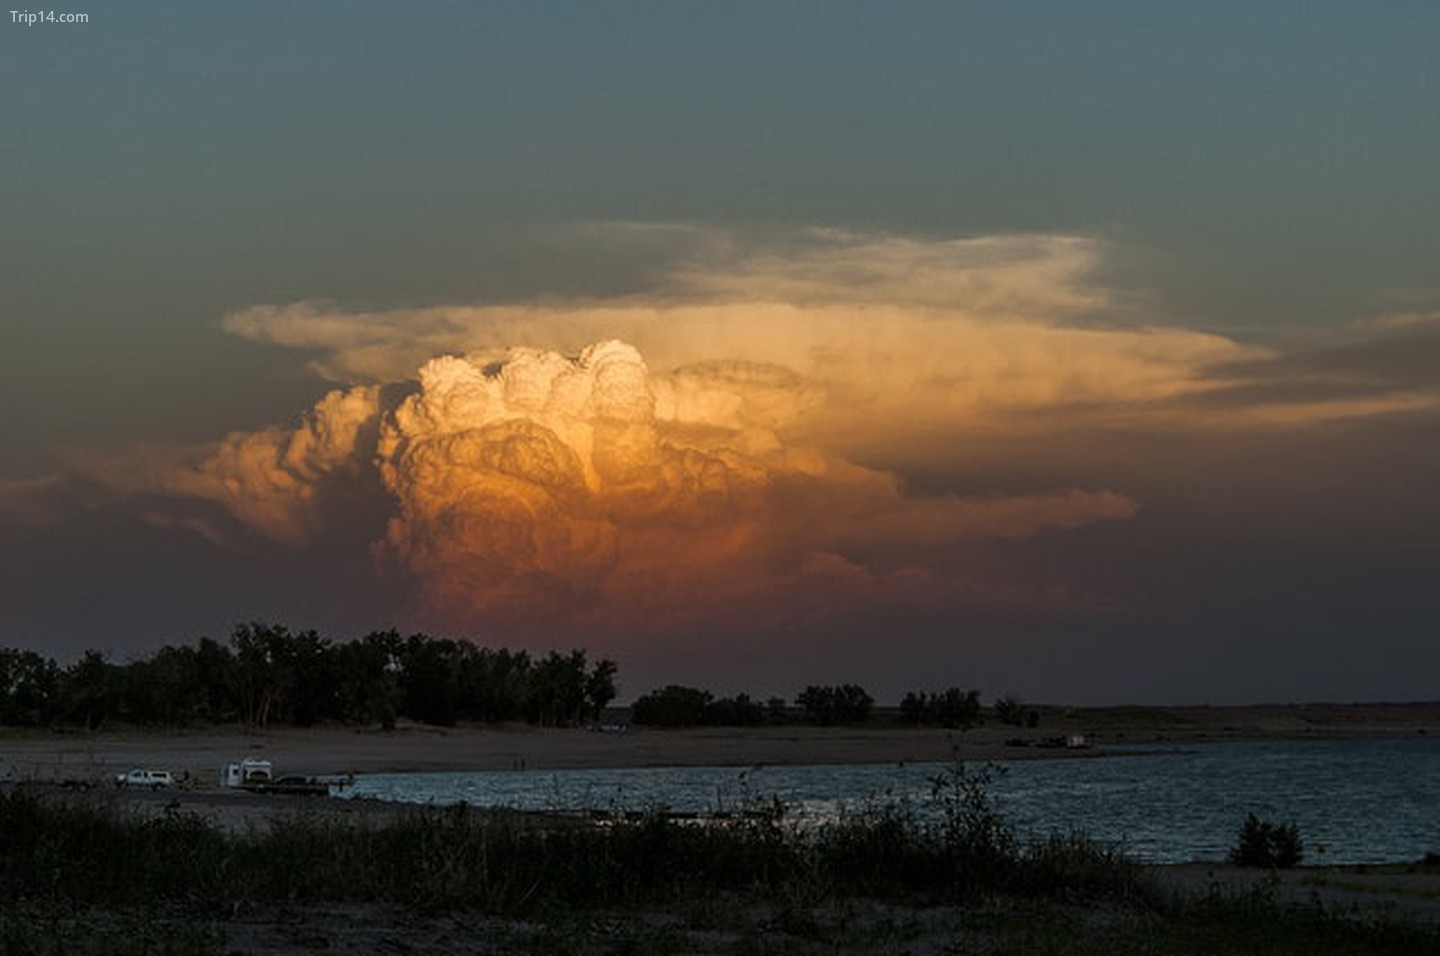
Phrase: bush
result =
(678, 706)
(737, 711)
(973, 834)
(845, 704)
(672, 706)
(1264, 844)
(1011, 710)
(951, 708)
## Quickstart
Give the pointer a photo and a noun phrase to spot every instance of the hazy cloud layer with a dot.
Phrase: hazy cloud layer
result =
(798, 301)
(999, 334)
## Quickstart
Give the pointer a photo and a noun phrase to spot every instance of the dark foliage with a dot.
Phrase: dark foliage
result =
(843, 704)
(29, 689)
(737, 711)
(1011, 710)
(677, 706)
(78, 877)
(671, 706)
(1264, 844)
(952, 708)
(268, 675)
(458, 858)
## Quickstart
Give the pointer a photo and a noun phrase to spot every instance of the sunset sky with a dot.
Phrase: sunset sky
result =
(1089, 352)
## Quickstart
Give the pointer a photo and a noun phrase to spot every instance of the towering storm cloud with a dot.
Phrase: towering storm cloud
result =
(535, 491)
(739, 442)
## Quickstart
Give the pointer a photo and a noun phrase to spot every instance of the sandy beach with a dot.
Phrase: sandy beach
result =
(195, 756)
(198, 754)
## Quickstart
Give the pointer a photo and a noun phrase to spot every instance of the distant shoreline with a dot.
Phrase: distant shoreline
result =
(201, 752)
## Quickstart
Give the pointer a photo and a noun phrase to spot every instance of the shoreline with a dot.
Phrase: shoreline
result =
(200, 753)
(42, 762)
(60, 762)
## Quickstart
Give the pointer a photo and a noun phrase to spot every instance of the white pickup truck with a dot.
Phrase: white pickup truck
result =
(154, 779)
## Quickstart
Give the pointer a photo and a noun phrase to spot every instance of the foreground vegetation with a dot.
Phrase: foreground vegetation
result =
(76, 876)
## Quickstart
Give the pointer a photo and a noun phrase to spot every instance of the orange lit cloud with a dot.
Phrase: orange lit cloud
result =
(550, 489)
(268, 480)
(646, 460)
(997, 334)
(980, 333)
(536, 490)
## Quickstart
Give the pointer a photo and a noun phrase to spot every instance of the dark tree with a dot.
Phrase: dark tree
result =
(216, 674)
(314, 691)
(737, 711)
(93, 688)
(843, 704)
(430, 675)
(166, 689)
(1010, 710)
(368, 679)
(264, 672)
(600, 688)
(30, 693)
(671, 706)
(951, 708)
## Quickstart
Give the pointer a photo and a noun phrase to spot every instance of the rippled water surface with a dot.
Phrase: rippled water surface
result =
(1353, 801)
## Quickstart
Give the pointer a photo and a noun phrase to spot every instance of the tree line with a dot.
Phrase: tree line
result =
(676, 705)
(267, 675)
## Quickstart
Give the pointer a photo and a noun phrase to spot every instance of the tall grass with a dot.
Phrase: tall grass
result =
(80, 877)
(502, 864)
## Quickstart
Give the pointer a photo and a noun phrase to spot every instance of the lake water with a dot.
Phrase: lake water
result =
(1354, 801)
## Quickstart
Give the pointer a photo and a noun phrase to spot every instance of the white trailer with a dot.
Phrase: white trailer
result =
(249, 772)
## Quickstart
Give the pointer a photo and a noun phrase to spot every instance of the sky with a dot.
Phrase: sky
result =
(1084, 352)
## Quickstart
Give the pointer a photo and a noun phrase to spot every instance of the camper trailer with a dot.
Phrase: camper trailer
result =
(250, 772)
(258, 776)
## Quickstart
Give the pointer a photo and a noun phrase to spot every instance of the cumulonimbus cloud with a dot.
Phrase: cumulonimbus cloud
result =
(545, 488)
(655, 456)
(542, 490)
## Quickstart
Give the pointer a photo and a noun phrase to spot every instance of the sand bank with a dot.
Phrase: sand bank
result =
(200, 753)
